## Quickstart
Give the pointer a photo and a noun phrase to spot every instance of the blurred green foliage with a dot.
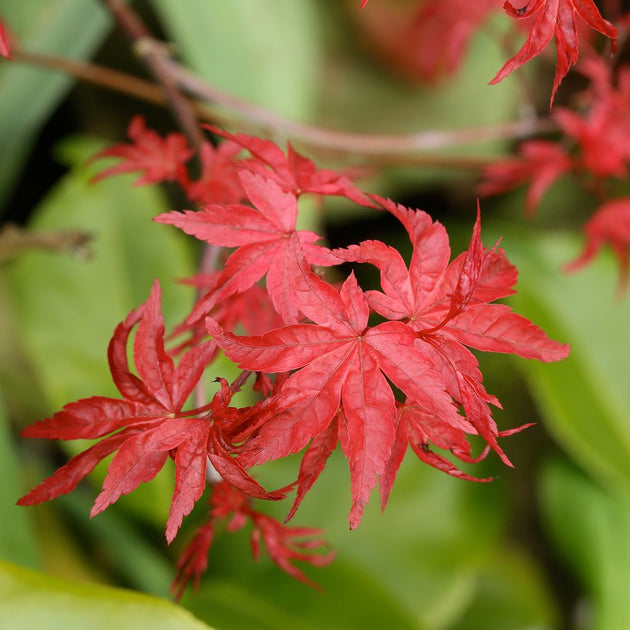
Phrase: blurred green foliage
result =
(446, 554)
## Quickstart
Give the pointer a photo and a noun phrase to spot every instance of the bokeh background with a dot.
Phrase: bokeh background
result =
(545, 546)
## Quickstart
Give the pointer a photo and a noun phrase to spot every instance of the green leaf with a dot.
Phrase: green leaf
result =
(17, 535)
(266, 52)
(589, 525)
(130, 552)
(350, 599)
(511, 595)
(68, 307)
(28, 95)
(34, 600)
(585, 399)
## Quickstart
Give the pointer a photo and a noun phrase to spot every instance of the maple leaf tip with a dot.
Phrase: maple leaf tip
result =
(25, 500)
(171, 533)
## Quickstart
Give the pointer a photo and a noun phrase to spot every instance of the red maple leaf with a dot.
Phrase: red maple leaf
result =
(147, 425)
(539, 163)
(338, 361)
(158, 159)
(602, 131)
(284, 544)
(610, 225)
(448, 305)
(263, 235)
(4, 42)
(427, 39)
(251, 309)
(219, 182)
(293, 172)
(555, 18)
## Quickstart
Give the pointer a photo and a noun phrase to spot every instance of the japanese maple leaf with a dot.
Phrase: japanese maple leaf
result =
(610, 225)
(147, 424)
(158, 159)
(339, 362)
(425, 40)
(539, 163)
(251, 309)
(284, 544)
(263, 235)
(448, 304)
(293, 172)
(218, 182)
(4, 42)
(419, 429)
(555, 18)
(602, 131)
(442, 30)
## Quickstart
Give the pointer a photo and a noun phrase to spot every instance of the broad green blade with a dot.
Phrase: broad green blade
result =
(35, 600)
(17, 534)
(585, 399)
(266, 52)
(28, 95)
(590, 525)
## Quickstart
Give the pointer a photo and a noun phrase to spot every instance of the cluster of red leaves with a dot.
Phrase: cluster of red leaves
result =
(595, 146)
(284, 544)
(555, 19)
(425, 40)
(148, 424)
(4, 42)
(429, 38)
(326, 375)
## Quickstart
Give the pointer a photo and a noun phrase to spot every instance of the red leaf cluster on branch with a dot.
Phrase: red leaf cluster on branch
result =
(555, 19)
(594, 147)
(326, 374)
(429, 38)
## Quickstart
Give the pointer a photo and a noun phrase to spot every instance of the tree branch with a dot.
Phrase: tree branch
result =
(151, 52)
(227, 110)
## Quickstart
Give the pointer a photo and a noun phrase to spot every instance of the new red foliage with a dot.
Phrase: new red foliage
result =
(602, 130)
(293, 172)
(157, 159)
(555, 19)
(610, 225)
(539, 163)
(148, 424)
(284, 544)
(263, 235)
(4, 42)
(343, 367)
(325, 374)
(595, 146)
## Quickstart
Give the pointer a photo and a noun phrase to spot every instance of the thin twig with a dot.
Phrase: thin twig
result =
(150, 51)
(15, 240)
(383, 145)
(371, 149)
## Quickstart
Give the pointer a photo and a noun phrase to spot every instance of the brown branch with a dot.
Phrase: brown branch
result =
(150, 51)
(372, 149)
(383, 145)
(15, 240)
